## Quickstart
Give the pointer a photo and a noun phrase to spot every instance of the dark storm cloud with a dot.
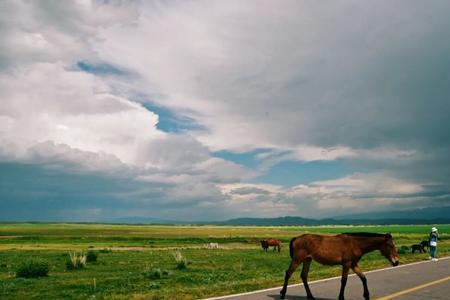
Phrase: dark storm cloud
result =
(249, 190)
(37, 192)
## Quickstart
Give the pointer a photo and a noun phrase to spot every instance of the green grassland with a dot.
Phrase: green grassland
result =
(238, 266)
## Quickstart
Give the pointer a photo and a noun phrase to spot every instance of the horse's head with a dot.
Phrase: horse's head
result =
(263, 243)
(389, 251)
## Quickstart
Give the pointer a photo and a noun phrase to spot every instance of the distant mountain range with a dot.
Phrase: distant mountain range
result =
(432, 215)
(299, 221)
(421, 213)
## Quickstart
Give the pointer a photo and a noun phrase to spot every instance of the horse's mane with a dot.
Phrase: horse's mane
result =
(365, 234)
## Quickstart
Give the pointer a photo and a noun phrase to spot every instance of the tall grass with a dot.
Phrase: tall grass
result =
(76, 261)
(180, 260)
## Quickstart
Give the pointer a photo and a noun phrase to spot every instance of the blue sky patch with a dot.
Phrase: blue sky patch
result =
(100, 69)
(290, 173)
(247, 159)
(169, 121)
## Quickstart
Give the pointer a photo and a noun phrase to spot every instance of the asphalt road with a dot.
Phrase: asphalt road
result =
(423, 280)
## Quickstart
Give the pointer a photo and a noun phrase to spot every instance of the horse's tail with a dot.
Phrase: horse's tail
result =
(291, 248)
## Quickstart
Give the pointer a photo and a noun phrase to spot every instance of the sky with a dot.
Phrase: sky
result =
(210, 110)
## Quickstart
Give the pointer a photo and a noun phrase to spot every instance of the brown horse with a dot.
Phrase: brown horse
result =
(265, 244)
(343, 249)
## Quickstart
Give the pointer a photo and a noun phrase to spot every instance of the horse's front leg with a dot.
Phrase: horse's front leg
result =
(304, 276)
(360, 274)
(345, 268)
(292, 267)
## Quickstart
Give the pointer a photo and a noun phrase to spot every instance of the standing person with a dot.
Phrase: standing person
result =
(434, 236)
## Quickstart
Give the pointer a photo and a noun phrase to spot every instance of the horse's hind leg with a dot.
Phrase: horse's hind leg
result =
(364, 281)
(292, 267)
(304, 276)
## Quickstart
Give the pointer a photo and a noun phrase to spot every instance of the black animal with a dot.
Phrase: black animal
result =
(417, 247)
(425, 245)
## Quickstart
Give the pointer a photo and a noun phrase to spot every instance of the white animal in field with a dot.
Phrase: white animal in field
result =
(213, 246)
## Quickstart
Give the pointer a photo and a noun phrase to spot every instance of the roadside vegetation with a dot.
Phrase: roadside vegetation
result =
(166, 262)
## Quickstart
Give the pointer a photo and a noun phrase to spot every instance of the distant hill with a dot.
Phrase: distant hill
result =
(299, 221)
(432, 215)
(442, 212)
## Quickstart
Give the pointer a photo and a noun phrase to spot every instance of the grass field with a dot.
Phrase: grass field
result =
(134, 250)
